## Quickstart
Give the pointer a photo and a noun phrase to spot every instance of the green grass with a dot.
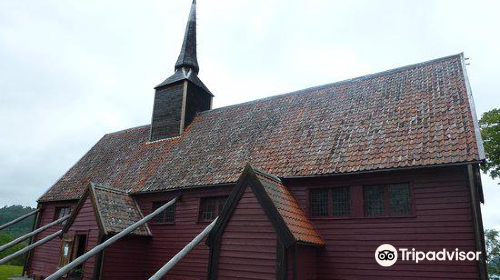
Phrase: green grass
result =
(7, 271)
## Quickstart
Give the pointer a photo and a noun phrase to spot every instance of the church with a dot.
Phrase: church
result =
(304, 185)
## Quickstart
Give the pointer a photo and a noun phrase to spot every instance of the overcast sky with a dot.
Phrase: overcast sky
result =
(71, 71)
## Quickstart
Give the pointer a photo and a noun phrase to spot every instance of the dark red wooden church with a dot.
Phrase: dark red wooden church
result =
(306, 185)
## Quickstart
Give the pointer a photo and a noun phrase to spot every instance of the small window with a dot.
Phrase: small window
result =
(319, 203)
(388, 200)
(210, 207)
(399, 197)
(165, 217)
(374, 200)
(341, 202)
(61, 212)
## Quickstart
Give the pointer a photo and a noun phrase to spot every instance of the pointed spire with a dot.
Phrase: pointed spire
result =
(187, 57)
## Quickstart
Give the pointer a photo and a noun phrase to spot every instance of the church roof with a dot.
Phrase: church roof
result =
(289, 209)
(115, 210)
(282, 209)
(418, 115)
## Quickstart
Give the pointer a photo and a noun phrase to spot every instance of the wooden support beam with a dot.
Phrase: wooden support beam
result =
(28, 235)
(30, 247)
(72, 265)
(182, 253)
(19, 219)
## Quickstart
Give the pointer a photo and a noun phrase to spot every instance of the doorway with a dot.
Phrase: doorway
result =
(79, 246)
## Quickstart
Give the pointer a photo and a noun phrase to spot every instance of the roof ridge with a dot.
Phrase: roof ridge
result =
(107, 188)
(350, 80)
(267, 175)
(128, 129)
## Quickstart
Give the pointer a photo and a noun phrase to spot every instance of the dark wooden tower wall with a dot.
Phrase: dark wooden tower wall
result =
(197, 100)
(248, 245)
(167, 111)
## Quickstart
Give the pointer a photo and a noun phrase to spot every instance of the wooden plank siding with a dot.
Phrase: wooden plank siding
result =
(441, 219)
(45, 258)
(248, 245)
(126, 259)
(169, 239)
(86, 223)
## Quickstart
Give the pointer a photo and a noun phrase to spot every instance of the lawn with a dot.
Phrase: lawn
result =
(7, 271)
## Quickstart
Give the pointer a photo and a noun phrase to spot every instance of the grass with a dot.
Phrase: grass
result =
(7, 271)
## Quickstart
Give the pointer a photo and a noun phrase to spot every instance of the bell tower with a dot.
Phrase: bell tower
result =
(182, 95)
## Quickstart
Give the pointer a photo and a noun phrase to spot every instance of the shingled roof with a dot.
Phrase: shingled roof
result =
(418, 115)
(115, 210)
(280, 206)
(289, 209)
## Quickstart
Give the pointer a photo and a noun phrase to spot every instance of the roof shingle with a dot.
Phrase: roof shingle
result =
(413, 116)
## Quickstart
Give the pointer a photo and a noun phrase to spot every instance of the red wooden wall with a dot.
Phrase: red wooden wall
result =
(248, 246)
(126, 259)
(169, 239)
(442, 219)
(86, 223)
(305, 264)
(46, 257)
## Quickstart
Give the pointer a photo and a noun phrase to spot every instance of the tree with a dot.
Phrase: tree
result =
(492, 239)
(490, 132)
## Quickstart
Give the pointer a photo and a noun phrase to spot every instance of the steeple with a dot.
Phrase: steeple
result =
(181, 96)
(187, 57)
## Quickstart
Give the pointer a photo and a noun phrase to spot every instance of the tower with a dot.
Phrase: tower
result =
(182, 95)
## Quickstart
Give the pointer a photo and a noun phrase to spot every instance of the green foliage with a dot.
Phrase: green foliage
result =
(492, 238)
(490, 132)
(7, 271)
(9, 213)
(4, 238)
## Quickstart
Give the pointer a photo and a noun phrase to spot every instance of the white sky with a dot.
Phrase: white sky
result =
(71, 71)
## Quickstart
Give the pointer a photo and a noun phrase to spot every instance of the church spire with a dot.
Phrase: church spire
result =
(187, 57)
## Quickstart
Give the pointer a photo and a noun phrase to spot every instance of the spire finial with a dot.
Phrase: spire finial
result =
(187, 57)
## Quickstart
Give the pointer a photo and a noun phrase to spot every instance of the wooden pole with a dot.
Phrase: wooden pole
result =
(182, 253)
(70, 266)
(30, 247)
(19, 219)
(38, 230)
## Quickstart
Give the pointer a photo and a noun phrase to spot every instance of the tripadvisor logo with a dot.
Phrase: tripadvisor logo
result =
(387, 255)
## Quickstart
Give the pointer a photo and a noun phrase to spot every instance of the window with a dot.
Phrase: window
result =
(338, 197)
(210, 207)
(374, 200)
(341, 202)
(61, 212)
(399, 197)
(165, 217)
(319, 203)
(388, 200)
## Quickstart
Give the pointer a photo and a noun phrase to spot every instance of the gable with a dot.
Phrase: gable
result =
(279, 206)
(419, 115)
(84, 217)
(110, 210)
(249, 240)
